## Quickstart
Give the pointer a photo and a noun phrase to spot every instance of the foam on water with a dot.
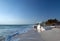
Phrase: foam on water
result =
(10, 31)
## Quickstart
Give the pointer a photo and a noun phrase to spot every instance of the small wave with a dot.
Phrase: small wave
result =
(10, 31)
(10, 36)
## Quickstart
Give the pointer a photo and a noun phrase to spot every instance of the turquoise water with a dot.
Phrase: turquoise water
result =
(9, 31)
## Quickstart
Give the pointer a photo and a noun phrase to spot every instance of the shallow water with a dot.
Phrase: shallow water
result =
(9, 31)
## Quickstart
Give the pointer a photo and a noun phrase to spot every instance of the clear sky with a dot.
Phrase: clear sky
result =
(28, 11)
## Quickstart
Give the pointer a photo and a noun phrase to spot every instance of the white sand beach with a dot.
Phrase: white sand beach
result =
(51, 35)
(32, 35)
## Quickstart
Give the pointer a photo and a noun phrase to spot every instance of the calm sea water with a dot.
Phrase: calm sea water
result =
(9, 31)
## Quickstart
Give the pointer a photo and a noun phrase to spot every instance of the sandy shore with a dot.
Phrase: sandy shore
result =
(32, 35)
(51, 35)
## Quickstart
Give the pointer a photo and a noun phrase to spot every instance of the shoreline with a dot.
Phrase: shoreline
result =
(32, 35)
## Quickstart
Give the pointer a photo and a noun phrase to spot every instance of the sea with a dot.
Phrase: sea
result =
(9, 31)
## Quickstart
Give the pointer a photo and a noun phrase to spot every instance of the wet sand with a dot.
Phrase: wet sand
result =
(32, 35)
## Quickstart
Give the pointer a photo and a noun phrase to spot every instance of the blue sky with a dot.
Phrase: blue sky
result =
(28, 11)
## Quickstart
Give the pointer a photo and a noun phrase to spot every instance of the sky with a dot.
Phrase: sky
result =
(28, 11)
